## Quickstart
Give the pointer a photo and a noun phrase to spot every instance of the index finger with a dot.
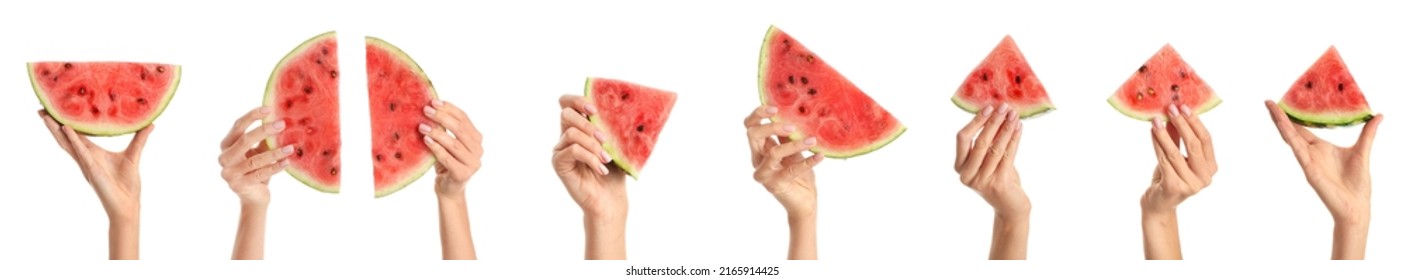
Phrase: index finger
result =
(242, 124)
(1285, 127)
(466, 123)
(57, 131)
(577, 102)
(968, 133)
(760, 113)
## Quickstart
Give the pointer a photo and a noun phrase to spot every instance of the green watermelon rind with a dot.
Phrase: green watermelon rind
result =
(102, 130)
(1026, 113)
(615, 152)
(268, 99)
(798, 135)
(423, 167)
(1213, 102)
(1337, 120)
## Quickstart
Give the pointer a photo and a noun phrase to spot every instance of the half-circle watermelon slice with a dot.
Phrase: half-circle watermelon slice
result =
(1163, 80)
(632, 115)
(1326, 96)
(303, 92)
(104, 98)
(399, 91)
(820, 101)
(1004, 77)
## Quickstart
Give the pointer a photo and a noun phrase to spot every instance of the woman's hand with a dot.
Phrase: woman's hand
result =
(116, 179)
(787, 174)
(247, 165)
(1340, 175)
(458, 158)
(1176, 178)
(989, 169)
(581, 164)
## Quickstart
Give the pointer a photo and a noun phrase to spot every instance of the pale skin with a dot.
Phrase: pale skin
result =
(1341, 176)
(248, 164)
(1176, 178)
(985, 159)
(597, 187)
(788, 175)
(115, 177)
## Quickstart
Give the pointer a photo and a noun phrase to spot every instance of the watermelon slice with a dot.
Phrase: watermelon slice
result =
(399, 91)
(104, 98)
(1163, 80)
(1326, 96)
(303, 93)
(820, 101)
(1004, 77)
(632, 116)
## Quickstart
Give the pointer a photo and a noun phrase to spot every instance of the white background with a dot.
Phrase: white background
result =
(898, 211)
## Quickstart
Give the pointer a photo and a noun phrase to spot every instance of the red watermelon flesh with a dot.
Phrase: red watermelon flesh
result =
(104, 98)
(1326, 95)
(820, 101)
(1004, 77)
(1163, 80)
(632, 115)
(399, 91)
(303, 93)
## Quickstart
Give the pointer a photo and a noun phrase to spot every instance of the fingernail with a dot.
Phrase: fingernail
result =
(788, 128)
(1004, 107)
(810, 141)
(286, 149)
(600, 136)
(986, 111)
(424, 128)
(1012, 115)
(772, 110)
(605, 156)
(604, 170)
(429, 111)
(266, 110)
(1175, 111)
(428, 140)
(279, 126)
(1157, 122)
(437, 103)
(590, 108)
(1185, 109)
(1019, 125)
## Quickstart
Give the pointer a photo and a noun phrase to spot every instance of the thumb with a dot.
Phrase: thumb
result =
(139, 142)
(1368, 134)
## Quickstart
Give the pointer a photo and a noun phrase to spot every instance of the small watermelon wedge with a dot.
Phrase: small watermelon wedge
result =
(303, 92)
(632, 115)
(399, 90)
(1004, 77)
(1326, 96)
(104, 98)
(1163, 80)
(820, 101)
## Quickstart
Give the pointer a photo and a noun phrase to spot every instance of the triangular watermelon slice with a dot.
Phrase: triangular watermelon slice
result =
(1004, 77)
(632, 116)
(1326, 95)
(104, 98)
(1163, 80)
(820, 101)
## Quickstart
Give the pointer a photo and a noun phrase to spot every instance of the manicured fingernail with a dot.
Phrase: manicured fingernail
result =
(605, 156)
(266, 110)
(600, 136)
(772, 110)
(810, 141)
(279, 126)
(1174, 111)
(590, 108)
(437, 103)
(1019, 125)
(788, 128)
(986, 111)
(1185, 109)
(604, 170)
(1012, 115)
(424, 128)
(428, 140)
(1004, 107)
(1157, 122)
(286, 149)
(429, 111)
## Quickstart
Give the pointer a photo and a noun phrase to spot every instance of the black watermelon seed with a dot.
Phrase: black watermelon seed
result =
(624, 96)
(812, 92)
(1175, 87)
(44, 73)
(396, 136)
(68, 65)
(1142, 69)
(639, 128)
(786, 41)
(141, 101)
(791, 79)
(319, 61)
(298, 152)
(1017, 79)
(984, 77)
(288, 104)
(1183, 74)
(94, 109)
(82, 91)
(324, 50)
(160, 69)
(397, 155)
(392, 107)
(334, 74)
(1341, 87)
(334, 170)
(802, 110)
(307, 89)
(111, 96)
(804, 80)
(1308, 85)
(326, 153)
(379, 157)
(143, 75)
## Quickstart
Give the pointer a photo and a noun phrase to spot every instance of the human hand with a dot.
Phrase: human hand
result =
(581, 162)
(246, 160)
(457, 156)
(989, 166)
(114, 176)
(1340, 175)
(1178, 177)
(778, 162)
